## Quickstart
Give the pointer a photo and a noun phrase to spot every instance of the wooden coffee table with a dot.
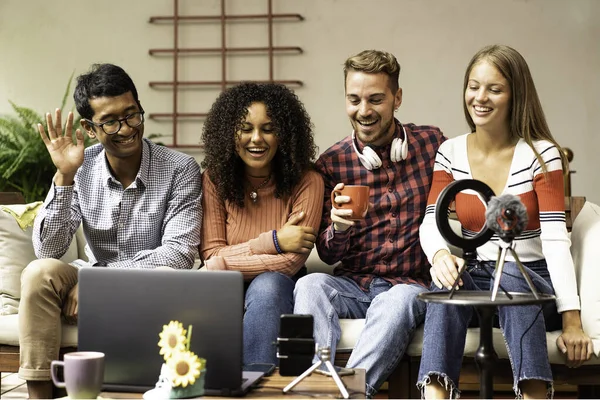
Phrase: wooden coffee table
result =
(271, 387)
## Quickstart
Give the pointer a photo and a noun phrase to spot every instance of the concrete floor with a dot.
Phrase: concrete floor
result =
(12, 387)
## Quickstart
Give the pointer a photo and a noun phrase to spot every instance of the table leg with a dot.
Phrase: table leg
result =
(486, 356)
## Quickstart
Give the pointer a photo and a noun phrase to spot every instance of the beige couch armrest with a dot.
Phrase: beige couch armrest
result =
(585, 248)
(16, 252)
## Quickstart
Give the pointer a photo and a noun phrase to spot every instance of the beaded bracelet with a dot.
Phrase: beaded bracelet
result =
(279, 251)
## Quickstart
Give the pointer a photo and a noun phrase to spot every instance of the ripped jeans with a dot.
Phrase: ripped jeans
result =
(524, 328)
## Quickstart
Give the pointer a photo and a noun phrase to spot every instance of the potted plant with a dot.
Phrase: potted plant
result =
(182, 374)
(25, 165)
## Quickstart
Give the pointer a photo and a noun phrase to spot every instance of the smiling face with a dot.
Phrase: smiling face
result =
(370, 105)
(488, 97)
(257, 141)
(127, 143)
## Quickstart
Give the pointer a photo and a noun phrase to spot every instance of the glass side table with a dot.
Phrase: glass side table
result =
(486, 356)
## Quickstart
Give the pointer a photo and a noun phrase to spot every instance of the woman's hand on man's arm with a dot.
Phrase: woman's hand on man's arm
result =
(294, 238)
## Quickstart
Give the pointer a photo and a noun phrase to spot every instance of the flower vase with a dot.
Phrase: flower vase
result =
(195, 389)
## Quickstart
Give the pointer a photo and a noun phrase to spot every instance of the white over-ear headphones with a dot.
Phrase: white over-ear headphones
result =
(369, 158)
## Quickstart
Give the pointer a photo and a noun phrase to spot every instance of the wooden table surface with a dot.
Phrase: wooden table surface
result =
(271, 387)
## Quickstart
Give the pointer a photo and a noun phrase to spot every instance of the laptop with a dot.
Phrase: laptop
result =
(122, 312)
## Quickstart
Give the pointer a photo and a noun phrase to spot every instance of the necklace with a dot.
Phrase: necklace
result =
(254, 191)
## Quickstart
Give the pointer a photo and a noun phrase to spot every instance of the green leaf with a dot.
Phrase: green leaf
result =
(29, 117)
(67, 91)
(25, 164)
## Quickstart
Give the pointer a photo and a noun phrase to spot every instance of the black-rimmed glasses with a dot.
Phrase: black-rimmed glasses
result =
(114, 125)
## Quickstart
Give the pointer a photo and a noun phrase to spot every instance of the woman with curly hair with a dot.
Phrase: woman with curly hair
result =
(262, 202)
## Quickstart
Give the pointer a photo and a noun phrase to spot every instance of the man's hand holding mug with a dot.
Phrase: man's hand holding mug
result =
(350, 203)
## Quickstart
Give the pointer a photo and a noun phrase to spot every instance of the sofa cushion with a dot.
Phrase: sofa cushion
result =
(16, 251)
(585, 248)
(351, 329)
(9, 332)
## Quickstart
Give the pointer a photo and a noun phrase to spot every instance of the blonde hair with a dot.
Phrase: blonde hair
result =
(527, 119)
(373, 62)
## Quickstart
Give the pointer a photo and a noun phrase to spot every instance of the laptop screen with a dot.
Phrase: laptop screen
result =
(122, 312)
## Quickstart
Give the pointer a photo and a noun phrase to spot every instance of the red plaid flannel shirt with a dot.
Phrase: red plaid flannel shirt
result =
(386, 243)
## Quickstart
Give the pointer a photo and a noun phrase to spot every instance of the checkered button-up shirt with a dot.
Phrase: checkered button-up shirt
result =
(386, 243)
(153, 222)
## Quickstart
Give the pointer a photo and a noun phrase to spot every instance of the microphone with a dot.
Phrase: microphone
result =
(507, 216)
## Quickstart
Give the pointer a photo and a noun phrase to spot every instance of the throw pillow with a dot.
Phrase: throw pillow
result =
(16, 251)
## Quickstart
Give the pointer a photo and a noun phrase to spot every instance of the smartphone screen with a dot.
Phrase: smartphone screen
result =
(266, 368)
(296, 326)
(296, 346)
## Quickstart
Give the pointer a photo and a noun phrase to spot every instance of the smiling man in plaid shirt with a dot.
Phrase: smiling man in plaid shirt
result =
(381, 266)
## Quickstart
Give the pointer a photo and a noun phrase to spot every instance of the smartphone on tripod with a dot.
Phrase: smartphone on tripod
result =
(295, 344)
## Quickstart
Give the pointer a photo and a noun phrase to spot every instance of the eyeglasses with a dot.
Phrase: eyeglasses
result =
(114, 125)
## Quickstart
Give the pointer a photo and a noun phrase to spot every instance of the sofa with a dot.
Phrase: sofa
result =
(16, 252)
(585, 249)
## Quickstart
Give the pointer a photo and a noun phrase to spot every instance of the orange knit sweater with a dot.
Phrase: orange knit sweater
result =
(243, 237)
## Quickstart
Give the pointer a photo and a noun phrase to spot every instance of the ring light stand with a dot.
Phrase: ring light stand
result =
(485, 356)
(469, 246)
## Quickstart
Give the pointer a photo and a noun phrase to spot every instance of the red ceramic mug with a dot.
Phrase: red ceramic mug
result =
(359, 200)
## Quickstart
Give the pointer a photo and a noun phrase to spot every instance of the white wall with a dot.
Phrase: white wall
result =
(42, 42)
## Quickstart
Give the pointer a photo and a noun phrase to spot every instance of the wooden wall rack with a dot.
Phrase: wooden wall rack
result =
(225, 51)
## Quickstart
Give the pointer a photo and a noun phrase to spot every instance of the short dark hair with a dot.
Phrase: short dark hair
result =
(296, 149)
(101, 80)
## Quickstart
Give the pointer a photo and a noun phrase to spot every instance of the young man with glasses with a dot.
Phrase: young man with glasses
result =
(139, 204)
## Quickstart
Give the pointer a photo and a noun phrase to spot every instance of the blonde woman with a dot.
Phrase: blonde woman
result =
(511, 149)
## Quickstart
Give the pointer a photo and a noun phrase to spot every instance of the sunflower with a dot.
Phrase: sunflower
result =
(184, 368)
(172, 339)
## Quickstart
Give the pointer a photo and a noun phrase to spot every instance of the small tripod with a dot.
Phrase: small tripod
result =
(471, 255)
(505, 247)
(324, 354)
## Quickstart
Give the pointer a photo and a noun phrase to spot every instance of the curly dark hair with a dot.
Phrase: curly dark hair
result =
(296, 149)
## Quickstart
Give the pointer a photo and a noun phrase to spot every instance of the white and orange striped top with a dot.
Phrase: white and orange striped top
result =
(545, 236)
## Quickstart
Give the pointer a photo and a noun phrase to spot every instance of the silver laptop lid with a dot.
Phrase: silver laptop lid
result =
(121, 313)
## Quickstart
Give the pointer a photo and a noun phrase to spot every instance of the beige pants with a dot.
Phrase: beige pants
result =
(45, 285)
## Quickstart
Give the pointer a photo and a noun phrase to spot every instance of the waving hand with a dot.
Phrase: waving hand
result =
(66, 156)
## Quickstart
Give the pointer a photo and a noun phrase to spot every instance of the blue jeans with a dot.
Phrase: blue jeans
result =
(268, 296)
(523, 327)
(392, 313)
